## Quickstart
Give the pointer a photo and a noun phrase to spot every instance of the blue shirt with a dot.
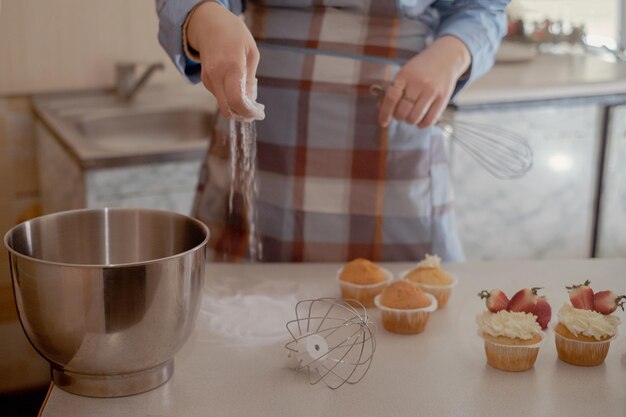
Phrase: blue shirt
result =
(479, 24)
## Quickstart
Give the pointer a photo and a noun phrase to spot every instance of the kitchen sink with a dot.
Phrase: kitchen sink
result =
(155, 130)
(161, 124)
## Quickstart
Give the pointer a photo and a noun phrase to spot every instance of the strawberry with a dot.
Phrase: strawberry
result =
(524, 300)
(543, 311)
(581, 296)
(606, 302)
(495, 300)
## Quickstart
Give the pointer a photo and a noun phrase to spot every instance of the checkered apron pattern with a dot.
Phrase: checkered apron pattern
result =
(333, 184)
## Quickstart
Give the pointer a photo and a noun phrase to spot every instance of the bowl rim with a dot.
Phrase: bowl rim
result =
(197, 222)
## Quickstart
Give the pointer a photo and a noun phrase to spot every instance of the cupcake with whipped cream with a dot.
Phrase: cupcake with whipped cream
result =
(585, 328)
(512, 339)
(432, 278)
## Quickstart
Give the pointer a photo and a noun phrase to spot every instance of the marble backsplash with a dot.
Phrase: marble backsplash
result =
(549, 212)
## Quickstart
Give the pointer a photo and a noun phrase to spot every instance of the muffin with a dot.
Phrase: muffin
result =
(429, 276)
(511, 339)
(405, 307)
(582, 336)
(362, 280)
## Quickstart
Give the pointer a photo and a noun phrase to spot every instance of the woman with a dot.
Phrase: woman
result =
(342, 174)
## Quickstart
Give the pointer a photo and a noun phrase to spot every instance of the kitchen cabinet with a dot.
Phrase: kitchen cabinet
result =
(95, 150)
(612, 215)
(549, 212)
(65, 185)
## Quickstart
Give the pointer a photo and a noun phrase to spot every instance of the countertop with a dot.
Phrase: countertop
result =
(441, 372)
(546, 77)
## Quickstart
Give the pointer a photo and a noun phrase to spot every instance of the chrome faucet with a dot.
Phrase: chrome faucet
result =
(127, 84)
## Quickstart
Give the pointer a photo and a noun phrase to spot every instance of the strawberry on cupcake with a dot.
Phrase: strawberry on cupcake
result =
(525, 300)
(512, 329)
(586, 327)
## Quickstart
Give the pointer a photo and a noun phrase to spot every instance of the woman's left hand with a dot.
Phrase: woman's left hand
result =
(423, 87)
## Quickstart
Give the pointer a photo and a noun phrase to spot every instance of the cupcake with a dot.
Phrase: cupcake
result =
(362, 280)
(586, 327)
(429, 276)
(405, 308)
(512, 329)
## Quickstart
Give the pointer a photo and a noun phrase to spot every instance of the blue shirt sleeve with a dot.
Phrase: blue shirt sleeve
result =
(479, 24)
(172, 15)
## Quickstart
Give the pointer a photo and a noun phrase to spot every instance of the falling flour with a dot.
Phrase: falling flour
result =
(243, 165)
(243, 178)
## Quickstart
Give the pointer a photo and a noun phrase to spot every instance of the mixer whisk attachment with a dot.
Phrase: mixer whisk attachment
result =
(331, 340)
(505, 154)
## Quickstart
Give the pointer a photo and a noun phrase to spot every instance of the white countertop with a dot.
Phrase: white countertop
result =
(545, 77)
(441, 372)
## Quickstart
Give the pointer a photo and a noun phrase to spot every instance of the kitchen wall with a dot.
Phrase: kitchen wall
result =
(52, 45)
(70, 44)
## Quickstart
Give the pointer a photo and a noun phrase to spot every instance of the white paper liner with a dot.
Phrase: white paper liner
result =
(582, 352)
(512, 358)
(406, 321)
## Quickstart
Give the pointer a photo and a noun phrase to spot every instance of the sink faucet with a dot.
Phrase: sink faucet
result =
(127, 84)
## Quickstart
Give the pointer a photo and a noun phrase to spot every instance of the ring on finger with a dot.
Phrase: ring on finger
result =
(409, 99)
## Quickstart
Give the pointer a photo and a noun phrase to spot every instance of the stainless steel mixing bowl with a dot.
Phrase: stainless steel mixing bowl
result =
(108, 296)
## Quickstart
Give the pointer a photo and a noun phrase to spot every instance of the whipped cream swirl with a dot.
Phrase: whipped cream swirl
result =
(430, 261)
(509, 324)
(588, 323)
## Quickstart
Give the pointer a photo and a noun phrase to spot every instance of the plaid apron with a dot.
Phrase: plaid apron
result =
(333, 184)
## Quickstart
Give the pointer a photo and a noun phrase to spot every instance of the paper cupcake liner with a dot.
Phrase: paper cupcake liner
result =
(364, 294)
(406, 321)
(441, 292)
(512, 358)
(581, 353)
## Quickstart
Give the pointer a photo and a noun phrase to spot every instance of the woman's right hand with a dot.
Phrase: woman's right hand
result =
(229, 58)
